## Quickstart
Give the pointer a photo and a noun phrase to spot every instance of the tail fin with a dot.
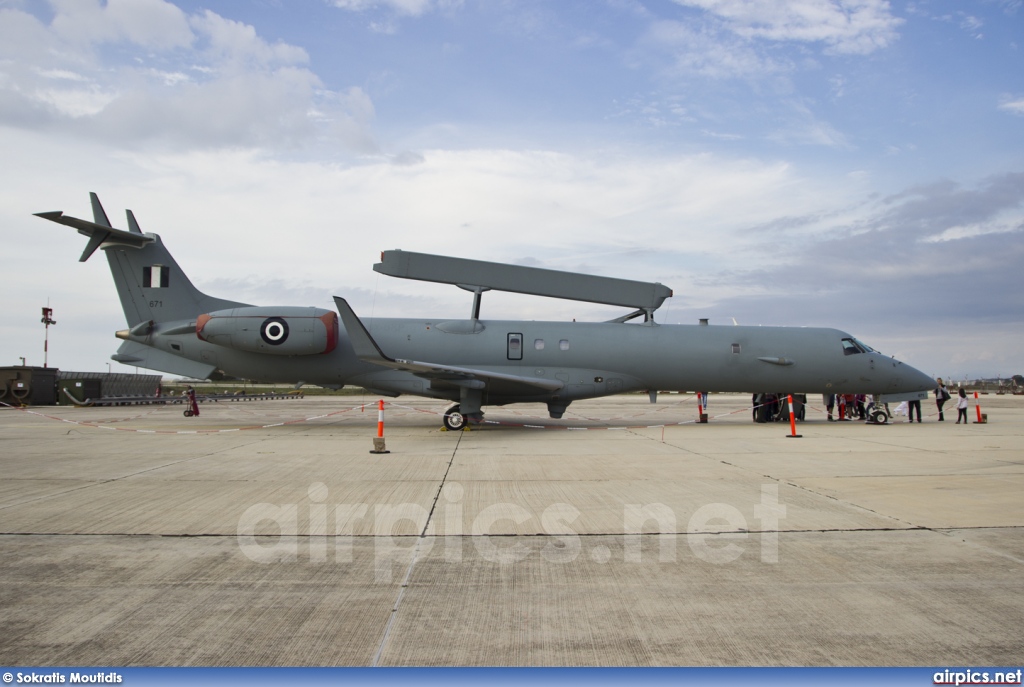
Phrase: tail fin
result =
(151, 285)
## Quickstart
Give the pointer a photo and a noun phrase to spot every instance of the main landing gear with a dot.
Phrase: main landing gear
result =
(455, 420)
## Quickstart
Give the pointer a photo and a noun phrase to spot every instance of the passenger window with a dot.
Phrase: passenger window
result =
(735, 349)
(563, 345)
(538, 344)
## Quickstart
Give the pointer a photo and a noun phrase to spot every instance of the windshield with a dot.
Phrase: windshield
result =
(853, 346)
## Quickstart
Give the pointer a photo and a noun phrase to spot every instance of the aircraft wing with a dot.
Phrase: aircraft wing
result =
(367, 350)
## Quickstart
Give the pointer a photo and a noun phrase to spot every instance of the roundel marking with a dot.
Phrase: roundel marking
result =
(274, 331)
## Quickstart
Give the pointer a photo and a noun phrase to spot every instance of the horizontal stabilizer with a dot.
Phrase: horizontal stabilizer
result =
(98, 233)
(139, 355)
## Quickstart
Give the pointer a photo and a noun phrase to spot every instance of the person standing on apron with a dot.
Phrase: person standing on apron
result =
(941, 396)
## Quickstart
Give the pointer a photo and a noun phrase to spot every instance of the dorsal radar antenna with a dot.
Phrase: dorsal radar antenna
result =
(478, 276)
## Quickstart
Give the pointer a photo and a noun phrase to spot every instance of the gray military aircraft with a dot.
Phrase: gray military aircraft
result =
(173, 327)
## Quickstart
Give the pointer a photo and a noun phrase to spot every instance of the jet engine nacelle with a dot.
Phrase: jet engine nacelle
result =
(279, 331)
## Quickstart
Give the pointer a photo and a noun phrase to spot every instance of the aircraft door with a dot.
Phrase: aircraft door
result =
(515, 346)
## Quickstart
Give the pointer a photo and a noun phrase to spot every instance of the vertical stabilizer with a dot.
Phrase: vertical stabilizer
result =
(151, 285)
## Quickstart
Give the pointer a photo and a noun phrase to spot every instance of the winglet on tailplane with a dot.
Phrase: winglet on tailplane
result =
(100, 231)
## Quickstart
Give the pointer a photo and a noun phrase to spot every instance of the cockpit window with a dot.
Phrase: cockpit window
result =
(852, 347)
(864, 347)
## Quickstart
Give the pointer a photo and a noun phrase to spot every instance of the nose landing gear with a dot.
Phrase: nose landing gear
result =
(878, 416)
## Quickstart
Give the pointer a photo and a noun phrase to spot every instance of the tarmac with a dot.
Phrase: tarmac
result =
(625, 534)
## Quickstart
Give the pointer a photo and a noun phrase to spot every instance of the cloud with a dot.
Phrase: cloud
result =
(412, 8)
(921, 273)
(388, 12)
(703, 50)
(802, 127)
(843, 26)
(929, 258)
(173, 80)
(1012, 104)
(232, 44)
(152, 24)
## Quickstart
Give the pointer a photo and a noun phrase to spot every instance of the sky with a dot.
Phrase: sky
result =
(856, 164)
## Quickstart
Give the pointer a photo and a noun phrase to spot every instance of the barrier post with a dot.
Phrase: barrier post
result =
(378, 441)
(702, 417)
(977, 407)
(792, 421)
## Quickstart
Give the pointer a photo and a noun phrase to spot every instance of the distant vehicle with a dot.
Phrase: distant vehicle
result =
(474, 362)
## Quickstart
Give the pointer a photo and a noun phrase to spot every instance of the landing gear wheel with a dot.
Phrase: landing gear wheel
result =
(879, 417)
(454, 420)
(187, 413)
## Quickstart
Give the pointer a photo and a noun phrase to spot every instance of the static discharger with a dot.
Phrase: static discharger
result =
(378, 441)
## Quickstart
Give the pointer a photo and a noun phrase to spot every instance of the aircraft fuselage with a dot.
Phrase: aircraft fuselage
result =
(591, 359)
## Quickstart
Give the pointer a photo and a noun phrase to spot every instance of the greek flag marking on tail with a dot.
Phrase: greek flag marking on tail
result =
(156, 277)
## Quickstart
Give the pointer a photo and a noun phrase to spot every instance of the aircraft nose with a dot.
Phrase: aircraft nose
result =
(915, 380)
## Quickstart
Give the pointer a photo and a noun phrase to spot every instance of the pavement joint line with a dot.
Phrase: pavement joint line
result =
(415, 557)
(95, 483)
(801, 487)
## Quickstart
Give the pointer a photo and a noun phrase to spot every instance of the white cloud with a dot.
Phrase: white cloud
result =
(234, 44)
(200, 80)
(76, 103)
(1013, 105)
(234, 216)
(719, 229)
(972, 25)
(845, 26)
(804, 128)
(1003, 225)
(704, 51)
(412, 8)
(154, 24)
